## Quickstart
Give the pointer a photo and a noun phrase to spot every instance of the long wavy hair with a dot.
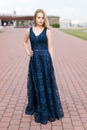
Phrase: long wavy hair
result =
(46, 23)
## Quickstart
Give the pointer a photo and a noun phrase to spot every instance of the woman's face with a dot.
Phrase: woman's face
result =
(40, 19)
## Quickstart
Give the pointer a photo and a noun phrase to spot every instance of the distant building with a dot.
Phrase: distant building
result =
(65, 23)
(68, 23)
(15, 20)
(54, 19)
(22, 21)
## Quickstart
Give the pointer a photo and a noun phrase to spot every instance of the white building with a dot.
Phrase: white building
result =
(68, 23)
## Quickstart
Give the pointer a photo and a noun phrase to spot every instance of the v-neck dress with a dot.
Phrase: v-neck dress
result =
(42, 90)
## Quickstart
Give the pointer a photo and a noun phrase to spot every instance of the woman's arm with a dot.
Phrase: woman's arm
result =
(50, 48)
(29, 53)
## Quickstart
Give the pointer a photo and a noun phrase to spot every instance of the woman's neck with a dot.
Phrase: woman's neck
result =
(39, 27)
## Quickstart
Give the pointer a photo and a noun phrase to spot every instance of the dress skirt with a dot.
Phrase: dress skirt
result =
(42, 90)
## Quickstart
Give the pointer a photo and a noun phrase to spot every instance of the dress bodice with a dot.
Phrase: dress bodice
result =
(38, 42)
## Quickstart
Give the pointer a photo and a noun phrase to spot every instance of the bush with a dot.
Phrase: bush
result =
(55, 25)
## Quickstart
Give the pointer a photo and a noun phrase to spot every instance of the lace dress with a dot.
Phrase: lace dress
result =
(43, 96)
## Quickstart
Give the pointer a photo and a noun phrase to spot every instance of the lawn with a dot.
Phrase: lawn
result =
(80, 33)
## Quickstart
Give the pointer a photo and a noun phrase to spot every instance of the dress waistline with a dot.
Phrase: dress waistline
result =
(40, 50)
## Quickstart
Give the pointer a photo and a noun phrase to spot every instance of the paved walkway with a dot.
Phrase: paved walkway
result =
(70, 57)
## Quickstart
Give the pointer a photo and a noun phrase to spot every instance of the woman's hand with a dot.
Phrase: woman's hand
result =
(30, 53)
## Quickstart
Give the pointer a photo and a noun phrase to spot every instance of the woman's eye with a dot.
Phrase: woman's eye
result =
(40, 18)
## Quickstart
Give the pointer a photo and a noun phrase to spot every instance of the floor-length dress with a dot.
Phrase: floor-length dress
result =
(43, 96)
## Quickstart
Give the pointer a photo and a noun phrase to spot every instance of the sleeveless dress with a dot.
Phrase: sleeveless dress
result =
(43, 96)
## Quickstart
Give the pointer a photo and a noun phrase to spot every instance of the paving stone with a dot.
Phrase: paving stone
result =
(70, 63)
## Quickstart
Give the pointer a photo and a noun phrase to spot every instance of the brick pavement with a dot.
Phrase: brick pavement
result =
(70, 58)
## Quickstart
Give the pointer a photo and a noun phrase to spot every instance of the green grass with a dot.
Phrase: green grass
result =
(80, 33)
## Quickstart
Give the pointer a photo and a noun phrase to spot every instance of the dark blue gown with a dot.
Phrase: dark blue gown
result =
(43, 96)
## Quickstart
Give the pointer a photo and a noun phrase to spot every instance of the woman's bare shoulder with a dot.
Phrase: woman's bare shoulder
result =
(27, 31)
(48, 31)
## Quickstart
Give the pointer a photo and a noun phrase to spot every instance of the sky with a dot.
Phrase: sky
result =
(65, 9)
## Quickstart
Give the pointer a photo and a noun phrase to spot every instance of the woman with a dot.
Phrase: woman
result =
(43, 97)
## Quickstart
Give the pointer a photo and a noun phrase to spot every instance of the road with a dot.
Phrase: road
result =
(70, 63)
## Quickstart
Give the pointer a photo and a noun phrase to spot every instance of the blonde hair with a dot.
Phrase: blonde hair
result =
(46, 23)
